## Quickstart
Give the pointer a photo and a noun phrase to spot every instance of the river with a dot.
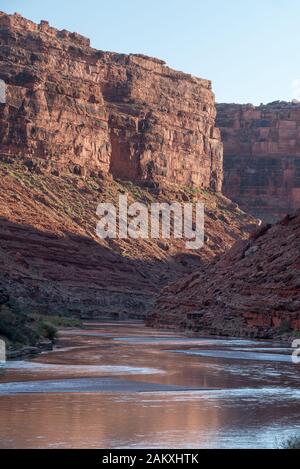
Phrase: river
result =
(121, 385)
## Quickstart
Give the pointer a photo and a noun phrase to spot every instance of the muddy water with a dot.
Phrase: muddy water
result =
(125, 386)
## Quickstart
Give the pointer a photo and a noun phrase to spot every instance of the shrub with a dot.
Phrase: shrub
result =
(48, 331)
(14, 327)
(285, 327)
(20, 327)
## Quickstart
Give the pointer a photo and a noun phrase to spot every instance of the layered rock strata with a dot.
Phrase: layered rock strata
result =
(262, 157)
(253, 290)
(52, 260)
(73, 108)
(77, 125)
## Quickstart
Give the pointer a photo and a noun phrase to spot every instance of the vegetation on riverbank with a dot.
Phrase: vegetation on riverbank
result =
(20, 329)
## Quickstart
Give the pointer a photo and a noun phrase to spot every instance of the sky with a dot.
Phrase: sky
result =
(249, 49)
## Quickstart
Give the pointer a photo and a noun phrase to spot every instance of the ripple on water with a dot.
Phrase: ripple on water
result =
(83, 386)
(237, 355)
(186, 341)
(110, 369)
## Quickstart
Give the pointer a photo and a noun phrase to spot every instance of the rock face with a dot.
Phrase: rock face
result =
(77, 123)
(262, 157)
(253, 290)
(53, 262)
(71, 108)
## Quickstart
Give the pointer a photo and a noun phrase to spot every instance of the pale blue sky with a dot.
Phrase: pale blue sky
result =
(248, 48)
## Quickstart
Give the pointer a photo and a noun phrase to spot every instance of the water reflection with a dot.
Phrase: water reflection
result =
(237, 402)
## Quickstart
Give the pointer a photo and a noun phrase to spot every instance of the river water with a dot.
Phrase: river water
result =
(121, 385)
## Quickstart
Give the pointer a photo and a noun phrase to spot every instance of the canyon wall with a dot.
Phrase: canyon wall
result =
(262, 157)
(70, 107)
(79, 127)
(253, 290)
(53, 262)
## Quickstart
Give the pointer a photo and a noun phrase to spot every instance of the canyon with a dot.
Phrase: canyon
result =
(79, 127)
(262, 157)
(141, 339)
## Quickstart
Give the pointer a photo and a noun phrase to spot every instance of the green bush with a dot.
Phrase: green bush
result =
(47, 331)
(63, 321)
(285, 327)
(25, 328)
(15, 327)
(22, 329)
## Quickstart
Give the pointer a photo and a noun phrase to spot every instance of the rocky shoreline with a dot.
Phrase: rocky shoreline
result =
(29, 352)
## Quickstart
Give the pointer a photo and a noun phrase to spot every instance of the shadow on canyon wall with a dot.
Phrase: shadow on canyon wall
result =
(54, 273)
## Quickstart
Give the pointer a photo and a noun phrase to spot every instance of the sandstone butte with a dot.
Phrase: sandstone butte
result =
(253, 290)
(79, 127)
(262, 157)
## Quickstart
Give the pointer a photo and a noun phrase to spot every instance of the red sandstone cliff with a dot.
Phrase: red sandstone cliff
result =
(75, 117)
(262, 157)
(253, 290)
(52, 261)
(73, 108)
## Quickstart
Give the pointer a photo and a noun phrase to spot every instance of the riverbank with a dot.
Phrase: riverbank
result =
(27, 333)
(29, 352)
